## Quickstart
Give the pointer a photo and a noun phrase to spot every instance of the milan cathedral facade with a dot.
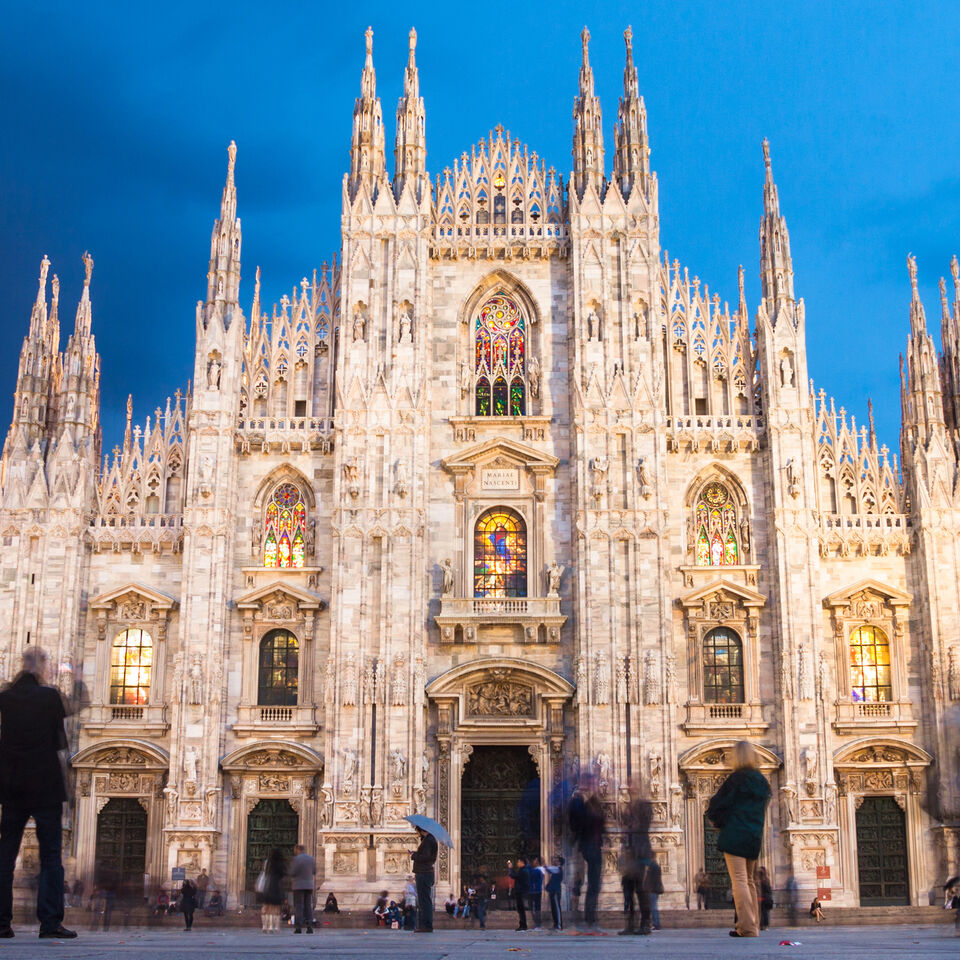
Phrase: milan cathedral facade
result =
(501, 497)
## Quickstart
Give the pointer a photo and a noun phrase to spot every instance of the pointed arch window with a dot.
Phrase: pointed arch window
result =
(717, 532)
(131, 665)
(500, 554)
(279, 670)
(285, 524)
(870, 680)
(500, 347)
(722, 667)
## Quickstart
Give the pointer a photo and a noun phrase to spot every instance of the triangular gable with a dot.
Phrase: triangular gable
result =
(896, 598)
(305, 599)
(159, 600)
(749, 598)
(527, 456)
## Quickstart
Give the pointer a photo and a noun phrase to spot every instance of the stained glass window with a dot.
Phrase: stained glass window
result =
(500, 386)
(870, 666)
(500, 554)
(715, 520)
(285, 525)
(131, 662)
(722, 667)
(279, 667)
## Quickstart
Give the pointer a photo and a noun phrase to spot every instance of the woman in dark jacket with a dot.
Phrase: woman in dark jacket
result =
(521, 889)
(188, 902)
(738, 810)
(272, 897)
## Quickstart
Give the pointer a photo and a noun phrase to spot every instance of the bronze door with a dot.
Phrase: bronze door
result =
(719, 896)
(271, 823)
(882, 853)
(499, 810)
(121, 846)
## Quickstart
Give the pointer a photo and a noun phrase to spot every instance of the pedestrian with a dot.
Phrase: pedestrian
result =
(163, 904)
(816, 910)
(701, 883)
(201, 883)
(765, 892)
(450, 905)
(32, 785)
(77, 892)
(483, 899)
(576, 888)
(535, 896)
(393, 916)
(738, 810)
(214, 907)
(520, 875)
(554, 889)
(654, 879)
(410, 903)
(330, 904)
(188, 902)
(424, 857)
(271, 896)
(587, 823)
(635, 865)
(303, 875)
(380, 908)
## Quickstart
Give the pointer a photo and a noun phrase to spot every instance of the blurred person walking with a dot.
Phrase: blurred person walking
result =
(271, 896)
(554, 889)
(765, 893)
(188, 902)
(520, 875)
(587, 822)
(424, 857)
(738, 810)
(32, 784)
(303, 875)
(635, 865)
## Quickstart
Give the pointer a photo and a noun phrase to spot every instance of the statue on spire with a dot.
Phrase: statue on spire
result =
(44, 267)
(88, 268)
(232, 159)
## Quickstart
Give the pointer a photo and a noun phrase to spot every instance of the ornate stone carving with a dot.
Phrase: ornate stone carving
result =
(499, 697)
(651, 679)
(601, 679)
(273, 783)
(399, 682)
(954, 673)
(120, 756)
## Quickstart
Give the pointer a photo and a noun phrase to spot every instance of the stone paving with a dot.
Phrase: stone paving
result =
(824, 943)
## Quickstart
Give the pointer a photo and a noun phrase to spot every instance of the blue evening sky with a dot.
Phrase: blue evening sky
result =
(115, 120)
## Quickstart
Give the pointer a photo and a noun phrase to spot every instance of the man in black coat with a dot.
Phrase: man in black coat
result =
(424, 857)
(32, 785)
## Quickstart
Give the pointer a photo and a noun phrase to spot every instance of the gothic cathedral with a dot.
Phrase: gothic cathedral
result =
(499, 498)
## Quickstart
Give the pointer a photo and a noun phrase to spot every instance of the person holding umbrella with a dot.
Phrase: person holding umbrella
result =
(424, 857)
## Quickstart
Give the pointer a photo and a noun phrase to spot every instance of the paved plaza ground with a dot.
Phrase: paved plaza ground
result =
(823, 943)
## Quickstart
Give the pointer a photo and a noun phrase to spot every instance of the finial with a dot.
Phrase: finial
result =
(129, 407)
(44, 267)
(766, 153)
(955, 273)
(88, 268)
(413, 43)
(232, 161)
(368, 33)
(912, 268)
(943, 297)
(585, 39)
(628, 36)
(55, 287)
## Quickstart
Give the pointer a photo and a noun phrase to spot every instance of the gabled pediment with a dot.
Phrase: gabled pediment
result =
(732, 591)
(510, 451)
(894, 597)
(133, 592)
(279, 592)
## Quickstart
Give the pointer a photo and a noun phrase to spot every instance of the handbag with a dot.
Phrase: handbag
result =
(261, 885)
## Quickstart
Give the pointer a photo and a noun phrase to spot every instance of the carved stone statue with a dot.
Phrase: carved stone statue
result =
(349, 765)
(447, 568)
(533, 375)
(190, 765)
(554, 573)
(793, 479)
(196, 680)
(810, 769)
(403, 479)
(603, 767)
(745, 535)
(786, 372)
(465, 379)
(213, 372)
(643, 479)
(398, 765)
(656, 774)
(600, 466)
(406, 326)
(358, 325)
(351, 473)
(593, 325)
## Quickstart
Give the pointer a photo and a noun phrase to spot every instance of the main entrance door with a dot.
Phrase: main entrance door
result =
(121, 846)
(882, 853)
(716, 868)
(499, 811)
(272, 823)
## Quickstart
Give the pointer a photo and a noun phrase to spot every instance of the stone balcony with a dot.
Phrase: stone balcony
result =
(256, 721)
(724, 718)
(517, 619)
(721, 433)
(124, 719)
(854, 716)
(284, 434)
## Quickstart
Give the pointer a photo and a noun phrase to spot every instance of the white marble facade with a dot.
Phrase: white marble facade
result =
(642, 393)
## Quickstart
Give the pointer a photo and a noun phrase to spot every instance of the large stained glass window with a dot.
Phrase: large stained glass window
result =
(870, 666)
(284, 535)
(500, 554)
(279, 668)
(500, 386)
(717, 534)
(722, 667)
(131, 663)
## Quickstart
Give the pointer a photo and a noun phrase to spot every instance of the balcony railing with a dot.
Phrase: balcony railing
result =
(126, 713)
(461, 618)
(726, 711)
(855, 715)
(736, 718)
(276, 714)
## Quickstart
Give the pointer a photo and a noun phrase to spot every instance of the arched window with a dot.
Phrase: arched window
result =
(131, 663)
(500, 385)
(722, 667)
(718, 536)
(500, 554)
(870, 665)
(279, 666)
(285, 524)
